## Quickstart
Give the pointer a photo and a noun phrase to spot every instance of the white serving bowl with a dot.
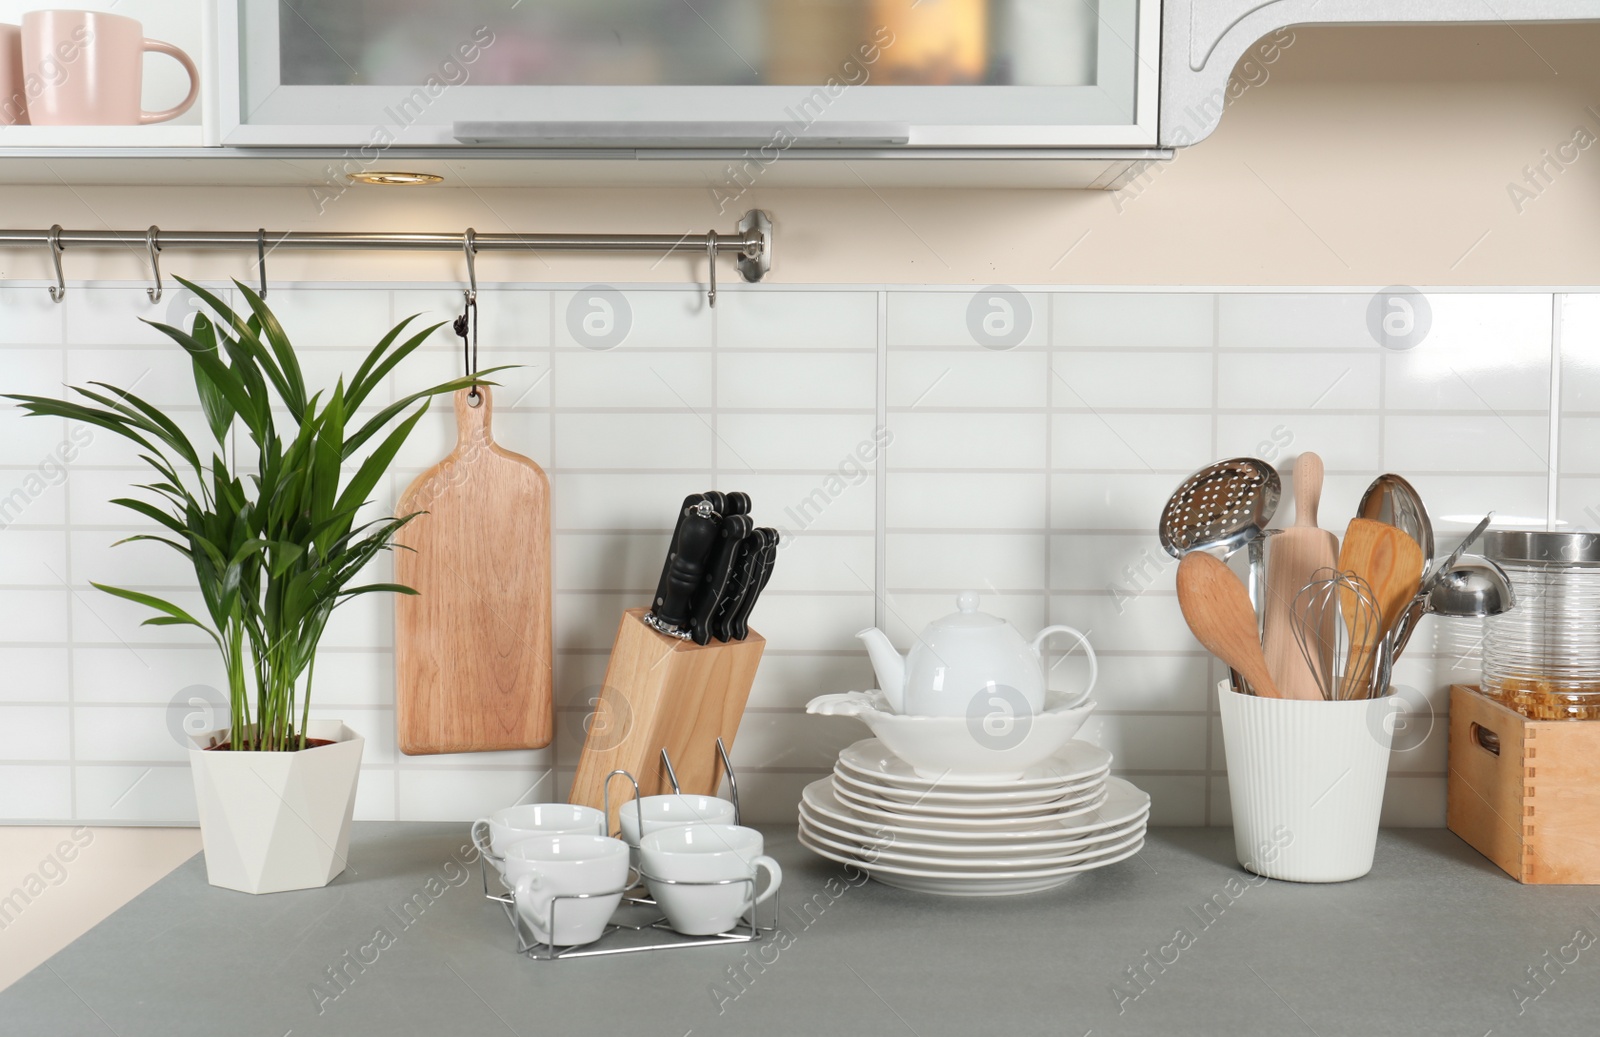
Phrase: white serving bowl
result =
(970, 748)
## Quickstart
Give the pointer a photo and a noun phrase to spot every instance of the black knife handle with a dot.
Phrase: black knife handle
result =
(715, 582)
(736, 503)
(766, 557)
(741, 583)
(663, 584)
(687, 567)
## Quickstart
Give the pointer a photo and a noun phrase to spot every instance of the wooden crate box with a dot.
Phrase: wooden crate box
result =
(1525, 793)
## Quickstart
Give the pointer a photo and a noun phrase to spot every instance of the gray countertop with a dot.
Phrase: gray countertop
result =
(1435, 940)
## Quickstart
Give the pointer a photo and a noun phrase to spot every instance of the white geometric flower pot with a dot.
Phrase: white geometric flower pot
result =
(270, 822)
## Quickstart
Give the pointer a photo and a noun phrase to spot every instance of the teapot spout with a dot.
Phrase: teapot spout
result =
(888, 664)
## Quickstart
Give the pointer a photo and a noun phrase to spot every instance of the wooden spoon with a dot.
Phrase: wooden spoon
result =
(1293, 557)
(1217, 608)
(1391, 563)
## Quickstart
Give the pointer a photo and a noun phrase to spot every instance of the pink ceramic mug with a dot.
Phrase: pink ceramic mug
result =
(86, 68)
(13, 95)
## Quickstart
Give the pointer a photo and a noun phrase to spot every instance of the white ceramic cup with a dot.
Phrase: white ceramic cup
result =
(696, 872)
(550, 873)
(505, 828)
(671, 811)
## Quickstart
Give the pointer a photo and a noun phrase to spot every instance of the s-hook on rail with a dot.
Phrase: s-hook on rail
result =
(750, 244)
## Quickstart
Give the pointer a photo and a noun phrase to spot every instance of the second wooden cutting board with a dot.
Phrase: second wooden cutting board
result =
(473, 646)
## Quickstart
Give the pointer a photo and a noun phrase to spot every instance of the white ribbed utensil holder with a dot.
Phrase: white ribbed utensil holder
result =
(1306, 780)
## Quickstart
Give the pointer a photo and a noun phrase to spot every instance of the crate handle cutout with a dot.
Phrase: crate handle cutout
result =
(1486, 739)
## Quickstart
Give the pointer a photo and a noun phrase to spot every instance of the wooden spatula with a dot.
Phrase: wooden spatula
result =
(473, 646)
(1391, 563)
(1217, 608)
(1293, 556)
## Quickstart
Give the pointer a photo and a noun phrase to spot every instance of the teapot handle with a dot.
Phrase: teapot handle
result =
(1088, 650)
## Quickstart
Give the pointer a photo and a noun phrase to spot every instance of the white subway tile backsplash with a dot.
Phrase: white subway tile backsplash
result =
(35, 733)
(993, 441)
(1481, 353)
(1131, 442)
(34, 616)
(994, 317)
(34, 558)
(1133, 320)
(1032, 440)
(1282, 321)
(635, 441)
(1125, 501)
(797, 320)
(812, 442)
(142, 793)
(32, 318)
(37, 792)
(144, 733)
(610, 561)
(1460, 443)
(965, 500)
(338, 318)
(1097, 381)
(795, 381)
(633, 379)
(1302, 380)
(600, 318)
(815, 562)
(1344, 441)
(33, 674)
(982, 561)
(975, 378)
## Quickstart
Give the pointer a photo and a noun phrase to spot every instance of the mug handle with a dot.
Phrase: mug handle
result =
(1088, 650)
(775, 879)
(482, 844)
(158, 47)
(537, 911)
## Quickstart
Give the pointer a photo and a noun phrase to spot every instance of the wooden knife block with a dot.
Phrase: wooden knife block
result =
(661, 692)
(1525, 793)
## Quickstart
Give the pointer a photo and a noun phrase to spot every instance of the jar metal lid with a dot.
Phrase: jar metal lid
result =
(1546, 548)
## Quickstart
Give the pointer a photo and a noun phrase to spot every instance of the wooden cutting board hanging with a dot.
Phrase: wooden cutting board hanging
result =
(473, 646)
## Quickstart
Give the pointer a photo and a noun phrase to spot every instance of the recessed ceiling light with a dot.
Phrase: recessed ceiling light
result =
(393, 178)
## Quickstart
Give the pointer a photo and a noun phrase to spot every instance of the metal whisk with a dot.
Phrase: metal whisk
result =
(1338, 623)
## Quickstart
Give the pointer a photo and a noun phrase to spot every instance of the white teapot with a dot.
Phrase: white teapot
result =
(963, 662)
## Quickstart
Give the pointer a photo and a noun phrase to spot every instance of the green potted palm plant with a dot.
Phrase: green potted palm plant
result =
(267, 518)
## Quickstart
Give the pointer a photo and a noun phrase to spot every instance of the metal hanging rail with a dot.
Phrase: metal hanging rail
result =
(750, 244)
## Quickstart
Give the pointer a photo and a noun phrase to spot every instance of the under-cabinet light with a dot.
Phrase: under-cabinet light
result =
(393, 178)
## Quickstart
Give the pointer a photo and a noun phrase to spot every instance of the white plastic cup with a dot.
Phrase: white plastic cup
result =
(1306, 780)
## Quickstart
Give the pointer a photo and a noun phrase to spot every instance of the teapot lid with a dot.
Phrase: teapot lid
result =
(968, 617)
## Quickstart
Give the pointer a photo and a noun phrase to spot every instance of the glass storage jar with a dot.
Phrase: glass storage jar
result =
(1542, 658)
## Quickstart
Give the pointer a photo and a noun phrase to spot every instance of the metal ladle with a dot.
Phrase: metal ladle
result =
(1474, 588)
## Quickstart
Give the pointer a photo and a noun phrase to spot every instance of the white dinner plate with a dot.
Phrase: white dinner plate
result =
(1027, 823)
(1076, 760)
(852, 796)
(938, 861)
(995, 884)
(932, 847)
(1044, 796)
(1123, 803)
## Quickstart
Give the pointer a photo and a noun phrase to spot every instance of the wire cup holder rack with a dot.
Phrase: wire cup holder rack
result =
(637, 924)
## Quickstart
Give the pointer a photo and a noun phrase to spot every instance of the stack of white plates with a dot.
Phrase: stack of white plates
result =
(962, 837)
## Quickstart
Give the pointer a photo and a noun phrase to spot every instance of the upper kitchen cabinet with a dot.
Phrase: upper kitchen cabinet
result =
(691, 78)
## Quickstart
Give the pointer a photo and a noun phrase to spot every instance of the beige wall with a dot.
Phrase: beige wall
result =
(1367, 157)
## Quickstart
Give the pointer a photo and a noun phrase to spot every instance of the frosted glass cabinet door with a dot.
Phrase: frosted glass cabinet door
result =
(689, 73)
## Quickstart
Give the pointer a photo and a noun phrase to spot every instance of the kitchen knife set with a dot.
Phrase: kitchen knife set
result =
(717, 565)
